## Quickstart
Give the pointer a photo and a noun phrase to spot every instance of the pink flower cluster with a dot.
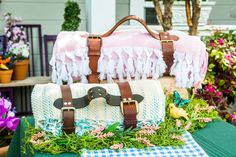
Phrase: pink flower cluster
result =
(232, 118)
(188, 125)
(117, 146)
(177, 137)
(205, 120)
(16, 37)
(98, 132)
(178, 123)
(148, 130)
(230, 57)
(38, 138)
(220, 42)
(207, 108)
(145, 141)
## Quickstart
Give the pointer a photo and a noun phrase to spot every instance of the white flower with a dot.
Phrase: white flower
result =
(20, 49)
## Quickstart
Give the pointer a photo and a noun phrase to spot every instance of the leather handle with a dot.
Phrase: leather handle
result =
(127, 18)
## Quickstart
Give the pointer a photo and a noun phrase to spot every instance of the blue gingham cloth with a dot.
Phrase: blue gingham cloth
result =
(190, 149)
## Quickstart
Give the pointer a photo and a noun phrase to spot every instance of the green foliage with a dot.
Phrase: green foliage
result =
(163, 136)
(222, 63)
(71, 16)
(197, 109)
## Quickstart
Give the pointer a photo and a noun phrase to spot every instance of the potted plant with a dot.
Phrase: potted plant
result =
(6, 64)
(18, 46)
(71, 16)
(8, 124)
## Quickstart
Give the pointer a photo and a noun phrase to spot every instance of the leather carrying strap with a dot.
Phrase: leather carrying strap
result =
(167, 45)
(141, 21)
(68, 110)
(128, 106)
(94, 93)
(95, 43)
(94, 47)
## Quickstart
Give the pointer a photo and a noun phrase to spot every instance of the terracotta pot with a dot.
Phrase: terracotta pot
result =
(5, 76)
(20, 69)
(3, 151)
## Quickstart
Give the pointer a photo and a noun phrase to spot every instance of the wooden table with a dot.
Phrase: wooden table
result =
(6, 89)
(30, 81)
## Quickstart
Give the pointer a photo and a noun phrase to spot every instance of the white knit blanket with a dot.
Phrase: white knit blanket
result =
(152, 108)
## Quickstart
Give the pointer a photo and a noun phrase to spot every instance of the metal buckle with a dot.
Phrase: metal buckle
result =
(68, 109)
(167, 41)
(128, 102)
(94, 36)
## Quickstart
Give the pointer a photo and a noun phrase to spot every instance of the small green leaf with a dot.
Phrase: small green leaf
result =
(112, 128)
(222, 82)
(211, 65)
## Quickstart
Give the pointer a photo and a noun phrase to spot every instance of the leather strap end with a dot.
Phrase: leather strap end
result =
(69, 130)
(130, 123)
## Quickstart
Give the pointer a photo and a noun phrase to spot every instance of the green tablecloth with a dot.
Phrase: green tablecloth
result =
(218, 139)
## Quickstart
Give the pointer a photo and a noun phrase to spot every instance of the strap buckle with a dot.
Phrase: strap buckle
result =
(67, 109)
(94, 36)
(166, 41)
(128, 102)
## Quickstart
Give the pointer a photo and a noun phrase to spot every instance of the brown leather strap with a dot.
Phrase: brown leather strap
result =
(94, 47)
(167, 45)
(129, 106)
(95, 42)
(141, 21)
(68, 110)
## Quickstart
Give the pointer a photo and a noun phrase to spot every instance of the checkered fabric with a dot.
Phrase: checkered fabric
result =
(190, 149)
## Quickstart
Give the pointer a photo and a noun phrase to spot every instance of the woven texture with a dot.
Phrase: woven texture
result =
(152, 108)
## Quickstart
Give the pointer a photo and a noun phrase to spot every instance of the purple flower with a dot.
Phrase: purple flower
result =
(226, 91)
(10, 123)
(221, 41)
(8, 120)
(232, 117)
(212, 43)
(210, 88)
(218, 94)
(5, 105)
(229, 57)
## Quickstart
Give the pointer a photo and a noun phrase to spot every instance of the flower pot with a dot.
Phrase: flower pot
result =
(3, 151)
(20, 69)
(5, 76)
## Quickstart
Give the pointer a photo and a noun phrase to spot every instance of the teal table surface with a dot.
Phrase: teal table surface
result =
(218, 139)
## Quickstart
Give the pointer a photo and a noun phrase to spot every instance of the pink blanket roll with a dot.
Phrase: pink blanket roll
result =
(127, 54)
